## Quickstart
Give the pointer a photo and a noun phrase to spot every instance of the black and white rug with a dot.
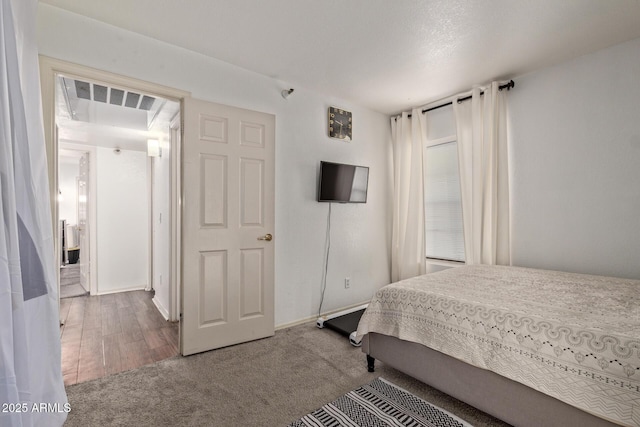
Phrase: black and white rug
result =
(379, 403)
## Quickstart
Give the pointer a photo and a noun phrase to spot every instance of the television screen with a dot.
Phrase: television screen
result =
(342, 183)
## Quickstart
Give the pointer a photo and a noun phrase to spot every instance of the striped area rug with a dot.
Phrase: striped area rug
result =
(379, 403)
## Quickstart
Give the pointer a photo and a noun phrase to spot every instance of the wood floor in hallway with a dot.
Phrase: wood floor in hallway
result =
(106, 334)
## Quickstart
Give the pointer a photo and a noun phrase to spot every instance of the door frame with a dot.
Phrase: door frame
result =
(175, 292)
(91, 210)
(49, 69)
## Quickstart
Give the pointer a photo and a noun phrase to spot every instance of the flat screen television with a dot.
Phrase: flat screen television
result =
(342, 183)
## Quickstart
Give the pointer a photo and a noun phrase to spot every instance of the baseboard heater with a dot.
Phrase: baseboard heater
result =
(344, 322)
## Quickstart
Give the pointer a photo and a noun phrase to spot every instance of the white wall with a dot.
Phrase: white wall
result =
(360, 233)
(122, 220)
(575, 163)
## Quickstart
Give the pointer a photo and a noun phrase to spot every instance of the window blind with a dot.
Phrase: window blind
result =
(444, 236)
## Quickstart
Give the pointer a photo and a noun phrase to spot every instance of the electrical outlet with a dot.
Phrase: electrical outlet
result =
(347, 282)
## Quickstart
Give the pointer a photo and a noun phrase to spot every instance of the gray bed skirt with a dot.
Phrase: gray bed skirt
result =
(494, 394)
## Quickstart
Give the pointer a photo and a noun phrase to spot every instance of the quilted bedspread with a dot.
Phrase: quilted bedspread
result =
(572, 336)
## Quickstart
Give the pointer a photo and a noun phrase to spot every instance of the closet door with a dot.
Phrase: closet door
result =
(228, 225)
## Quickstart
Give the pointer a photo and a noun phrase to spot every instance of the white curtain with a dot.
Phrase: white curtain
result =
(31, 384)
(484, 176)
(407, 252)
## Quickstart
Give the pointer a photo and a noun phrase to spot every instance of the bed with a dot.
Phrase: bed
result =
(531, 347)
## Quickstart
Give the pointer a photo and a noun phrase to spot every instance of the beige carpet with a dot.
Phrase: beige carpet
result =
(270, 382)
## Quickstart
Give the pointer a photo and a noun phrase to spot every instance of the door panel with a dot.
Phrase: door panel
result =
(83, 224)
(228, 207)
(213, 287)
(251, 192)
(251, 283)
(214, 195)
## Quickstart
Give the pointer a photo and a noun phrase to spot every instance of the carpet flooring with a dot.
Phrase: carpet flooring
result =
(269, 382)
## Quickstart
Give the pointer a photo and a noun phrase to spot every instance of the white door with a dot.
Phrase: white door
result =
(228, 222)
(83, 231)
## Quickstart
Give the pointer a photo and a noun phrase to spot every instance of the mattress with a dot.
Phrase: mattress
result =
(571, 336)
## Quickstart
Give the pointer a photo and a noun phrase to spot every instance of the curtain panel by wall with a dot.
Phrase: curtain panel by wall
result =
(484, 176)
(31, 386)
(481, 127)
(409, 136)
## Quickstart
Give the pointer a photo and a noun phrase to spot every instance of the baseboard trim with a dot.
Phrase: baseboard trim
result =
(326, 317)
(315, 317)
(160, 308)
(117, 291)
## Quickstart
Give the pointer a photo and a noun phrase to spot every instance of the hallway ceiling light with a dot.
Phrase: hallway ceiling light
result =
(153, 148)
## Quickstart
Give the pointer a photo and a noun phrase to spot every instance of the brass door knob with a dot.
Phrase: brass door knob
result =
(267, 237)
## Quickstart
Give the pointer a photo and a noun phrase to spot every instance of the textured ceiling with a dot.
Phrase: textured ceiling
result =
(382, 54)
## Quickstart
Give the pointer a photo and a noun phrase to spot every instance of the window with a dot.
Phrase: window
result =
(444, 238)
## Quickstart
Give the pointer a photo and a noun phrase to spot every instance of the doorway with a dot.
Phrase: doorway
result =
(116, 221)
(121, 187)
(73, 173)
(226, 201)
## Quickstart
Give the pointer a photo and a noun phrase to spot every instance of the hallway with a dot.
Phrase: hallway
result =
(106, 334)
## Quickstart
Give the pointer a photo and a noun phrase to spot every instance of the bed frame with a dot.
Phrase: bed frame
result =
(494, 394)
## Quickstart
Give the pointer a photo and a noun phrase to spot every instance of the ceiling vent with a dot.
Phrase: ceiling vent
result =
(102, 104)
(107, 95)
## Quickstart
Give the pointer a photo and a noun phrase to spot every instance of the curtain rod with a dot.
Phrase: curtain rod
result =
(507, 86)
